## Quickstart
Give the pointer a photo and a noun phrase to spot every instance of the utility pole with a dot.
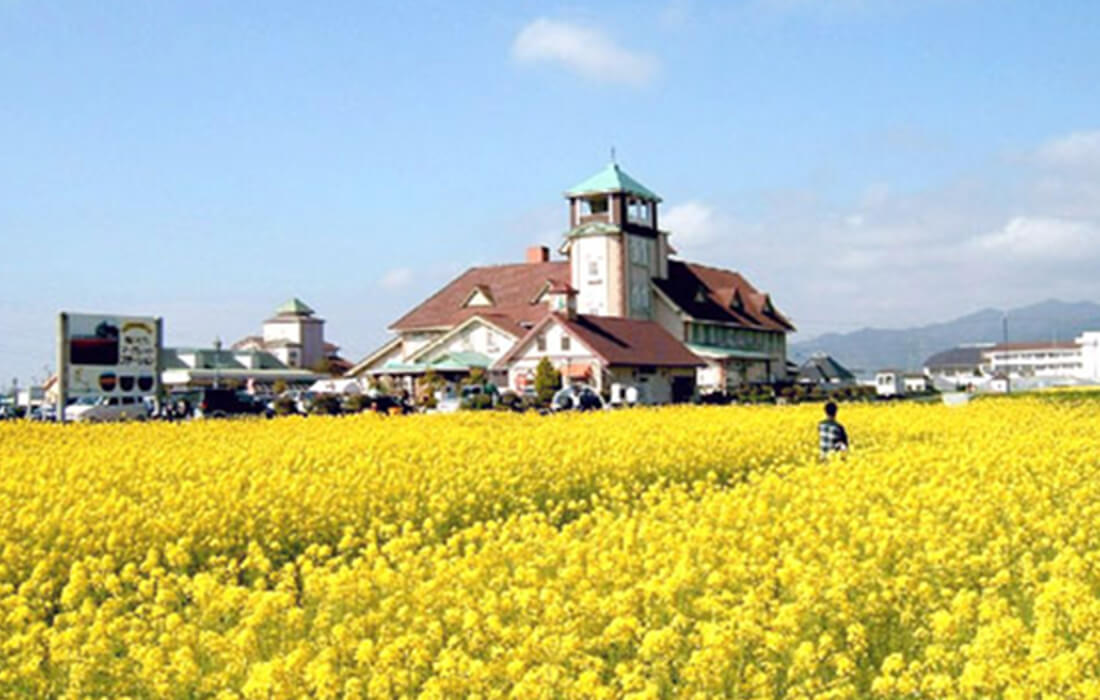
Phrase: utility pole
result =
(217, 358)
(1004, 327)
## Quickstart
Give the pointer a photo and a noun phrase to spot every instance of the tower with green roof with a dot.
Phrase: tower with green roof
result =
(295, 335)
(614, 244)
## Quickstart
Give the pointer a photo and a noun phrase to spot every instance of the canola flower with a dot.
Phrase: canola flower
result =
(677, 552)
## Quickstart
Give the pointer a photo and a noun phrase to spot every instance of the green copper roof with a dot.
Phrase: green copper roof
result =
(613, 179)
(295, 306)
(462, 361)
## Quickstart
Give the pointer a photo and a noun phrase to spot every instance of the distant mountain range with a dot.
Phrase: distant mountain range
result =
(869, 349)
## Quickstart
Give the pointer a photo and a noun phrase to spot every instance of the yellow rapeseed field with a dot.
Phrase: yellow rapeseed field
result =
(678, 552)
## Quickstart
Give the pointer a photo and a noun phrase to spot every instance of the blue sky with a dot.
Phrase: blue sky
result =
(868, 162)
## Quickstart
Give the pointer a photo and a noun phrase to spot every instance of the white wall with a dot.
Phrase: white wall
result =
(1038, 362)
(667, 317)
(289, 329)
(415, 340)
(889, 384)
(476, 337)
(1090, 355)
(529, 357)
(585, 253)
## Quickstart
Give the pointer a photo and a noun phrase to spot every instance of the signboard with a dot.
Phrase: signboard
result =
(108, 355)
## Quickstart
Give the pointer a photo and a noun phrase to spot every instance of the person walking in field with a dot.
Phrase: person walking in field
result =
(831, 435)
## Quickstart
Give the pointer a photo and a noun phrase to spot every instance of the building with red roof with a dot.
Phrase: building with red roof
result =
(617, 309)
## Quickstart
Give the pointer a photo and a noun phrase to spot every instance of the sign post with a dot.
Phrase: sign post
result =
(62, 364)
(108, 356)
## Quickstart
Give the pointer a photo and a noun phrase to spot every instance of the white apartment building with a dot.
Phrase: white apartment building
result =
(1044, 360)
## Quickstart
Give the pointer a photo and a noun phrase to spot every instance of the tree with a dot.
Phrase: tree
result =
(476, 377)
(547, 381)
(426, 387)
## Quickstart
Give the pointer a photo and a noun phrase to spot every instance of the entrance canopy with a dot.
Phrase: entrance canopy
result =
(452, 363)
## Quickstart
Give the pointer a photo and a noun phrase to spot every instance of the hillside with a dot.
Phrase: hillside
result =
(868, 349)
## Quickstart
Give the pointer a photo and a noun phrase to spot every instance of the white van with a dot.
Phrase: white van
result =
(107, 408)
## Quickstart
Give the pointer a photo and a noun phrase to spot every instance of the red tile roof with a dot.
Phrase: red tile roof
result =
(618, 341)
(511, 287)
(707, 294)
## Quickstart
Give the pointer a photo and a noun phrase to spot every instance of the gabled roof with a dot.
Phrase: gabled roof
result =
(482, 293)
(708, 294)
(391, 345)
(967, 357)
(821, 368)
(618, 342)
(484, 319)
(248, 340)
(612, 179)
(294, 307)
(513, 288)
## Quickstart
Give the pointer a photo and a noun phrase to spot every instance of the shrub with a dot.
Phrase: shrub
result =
(284, 406)
(326, 405)
(354, 403)
(477, 402)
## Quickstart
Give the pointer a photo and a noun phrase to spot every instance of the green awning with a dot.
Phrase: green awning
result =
(466, 359)
(450, 362)
(713, 351)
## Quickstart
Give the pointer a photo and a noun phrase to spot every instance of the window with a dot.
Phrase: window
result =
(565, 344)
(595, 205)
(540, 343)
(491, 341)
(639, 295)
(593, 267)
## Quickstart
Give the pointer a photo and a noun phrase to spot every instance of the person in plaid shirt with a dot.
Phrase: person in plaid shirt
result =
(831, 435)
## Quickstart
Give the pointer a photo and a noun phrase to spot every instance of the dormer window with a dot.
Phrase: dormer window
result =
(737, 304)
(767, 306)
(479, 296)
(700, 295)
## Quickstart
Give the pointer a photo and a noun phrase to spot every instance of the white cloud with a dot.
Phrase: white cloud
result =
(396, 278)
(1079, 149)
(1043, 238)
(585, 51)
(693, 226)
(888, 256)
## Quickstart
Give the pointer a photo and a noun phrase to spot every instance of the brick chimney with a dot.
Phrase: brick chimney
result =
(538, 254)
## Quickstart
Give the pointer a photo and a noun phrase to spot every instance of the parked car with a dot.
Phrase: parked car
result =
(107, 408)
(222, 403)
(577, 397)
(43, 412)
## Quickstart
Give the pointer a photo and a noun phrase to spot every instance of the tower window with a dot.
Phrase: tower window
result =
(637, 211)
(594, 205)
